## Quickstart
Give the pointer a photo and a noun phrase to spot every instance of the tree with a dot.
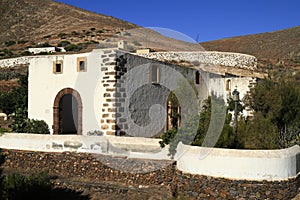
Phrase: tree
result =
(275, 102)
(203, 125)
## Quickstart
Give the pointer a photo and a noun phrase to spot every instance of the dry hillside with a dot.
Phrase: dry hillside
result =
(43, 20)
(278, 47)
(32, 23)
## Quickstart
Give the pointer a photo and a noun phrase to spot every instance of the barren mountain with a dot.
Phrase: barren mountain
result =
(40, 20)
(25, 23)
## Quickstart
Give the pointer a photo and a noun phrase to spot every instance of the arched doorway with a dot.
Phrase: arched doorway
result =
(67, 112)
(173, 112)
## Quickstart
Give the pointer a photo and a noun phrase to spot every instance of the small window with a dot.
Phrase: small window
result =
(228, 85)
(58, 67)
(197, 77)
(154, 76)
(81, 64)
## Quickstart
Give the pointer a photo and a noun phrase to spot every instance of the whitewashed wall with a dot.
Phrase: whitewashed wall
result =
(44, 85)
(239, 164)
(132, 147)
(227, 163)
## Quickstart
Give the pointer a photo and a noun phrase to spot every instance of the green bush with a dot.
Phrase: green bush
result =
(3, 130)
(26, 53)
(10, 43)
(74, 33)
(45, 44)
(16, 186)
(63, 43)
(62, 35)
(72, 47)
(47, 36)
(8, 75)
(276, 103)
(36, 126)
(136, 43)
(204, 126)
(22, 41)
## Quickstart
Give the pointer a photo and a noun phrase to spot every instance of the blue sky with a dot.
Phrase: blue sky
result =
(207, 19)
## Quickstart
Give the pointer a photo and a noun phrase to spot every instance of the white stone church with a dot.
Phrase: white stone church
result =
(122, 93)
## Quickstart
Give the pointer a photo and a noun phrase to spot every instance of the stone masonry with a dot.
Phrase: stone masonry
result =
(100, 168)
(108, 82)
(235, 60)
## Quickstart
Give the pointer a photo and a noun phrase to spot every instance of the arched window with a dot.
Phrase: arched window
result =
(173, 112)
(228, 85)
(197, 78)
(154, 74)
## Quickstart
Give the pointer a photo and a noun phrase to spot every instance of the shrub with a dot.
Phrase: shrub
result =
(46, 44)
(204, 127)
(16, 186)
(8, 75)
(62, 35)
(26, 53)
(10, 43)
(127, 34)
(72, 47)
(136, 43)
(74, 33)
(22, 41)
(3, 130)
(36, 126)
(63, 43)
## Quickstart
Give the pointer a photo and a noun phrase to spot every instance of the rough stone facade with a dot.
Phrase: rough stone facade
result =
(156, 173)
(136, 93)
(108, 68)
(236, 60)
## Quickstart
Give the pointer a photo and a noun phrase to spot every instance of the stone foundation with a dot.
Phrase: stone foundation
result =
(162, 173)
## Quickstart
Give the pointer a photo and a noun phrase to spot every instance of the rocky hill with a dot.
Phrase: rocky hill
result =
(275, 48)
(47, 21)
(38, 23)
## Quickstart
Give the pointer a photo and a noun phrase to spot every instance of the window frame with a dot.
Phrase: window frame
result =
(228, 85)
(79, 61)
(55, 63)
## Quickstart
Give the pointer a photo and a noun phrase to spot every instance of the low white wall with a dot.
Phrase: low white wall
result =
(132, 147)
(239, 164)
(227, 163)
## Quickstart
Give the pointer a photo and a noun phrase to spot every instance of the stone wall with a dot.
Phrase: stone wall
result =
(15, 61)
(161, 173)
(235, 60)
(108, 82)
